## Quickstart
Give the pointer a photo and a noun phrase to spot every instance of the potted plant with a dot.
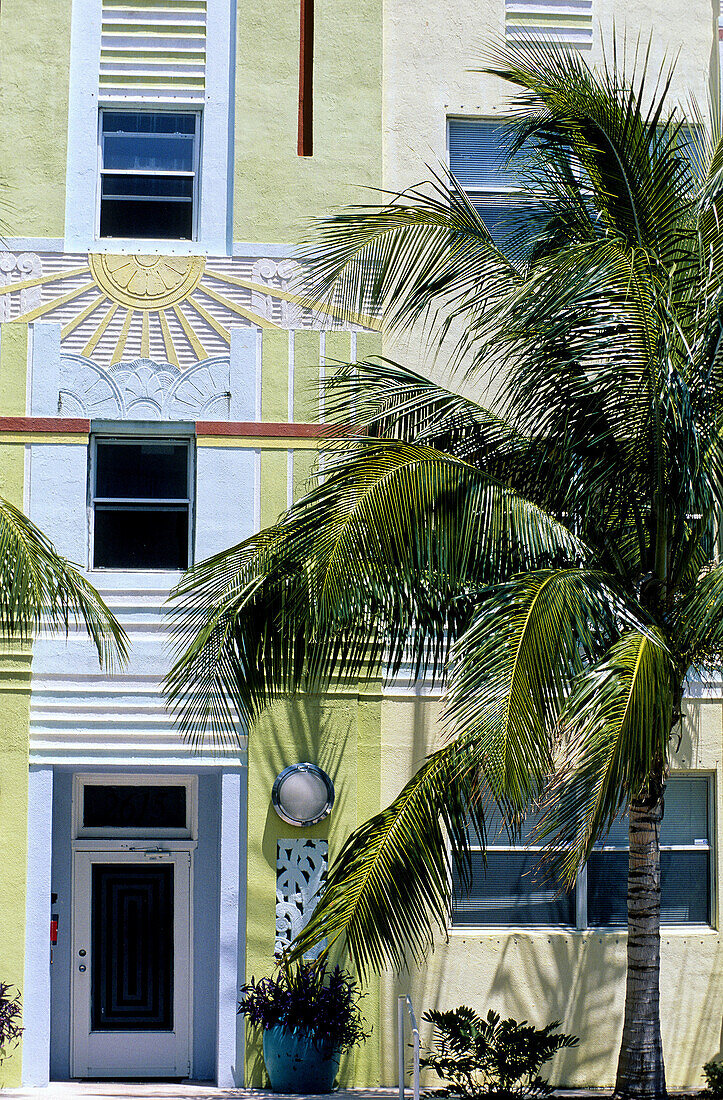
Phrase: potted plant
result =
(10, 1016)
(309, 1016)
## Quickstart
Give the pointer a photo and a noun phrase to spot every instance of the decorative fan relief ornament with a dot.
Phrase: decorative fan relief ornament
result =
(146, 282)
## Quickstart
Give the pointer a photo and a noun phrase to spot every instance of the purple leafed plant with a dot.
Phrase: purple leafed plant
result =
(10, 1016)
(310, 998)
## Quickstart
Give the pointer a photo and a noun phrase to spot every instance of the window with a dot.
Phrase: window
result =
(108, 806)
(141, 503)
(511, 890)
(148, 174)
(478, 151)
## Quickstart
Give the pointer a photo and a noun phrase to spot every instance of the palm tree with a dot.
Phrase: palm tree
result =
(41, 590)
(547, 543)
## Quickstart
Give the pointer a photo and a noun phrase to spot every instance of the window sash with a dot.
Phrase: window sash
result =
(182, 504)
(689, 799)
(191, 201)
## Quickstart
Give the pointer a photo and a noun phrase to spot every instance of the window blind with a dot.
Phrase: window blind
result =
(477, 154)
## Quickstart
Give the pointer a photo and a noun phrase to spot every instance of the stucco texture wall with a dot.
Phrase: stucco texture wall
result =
(34, 61)
(432, 50)
(14, 722)
(576, 977)
(275, 189)
(340, 733)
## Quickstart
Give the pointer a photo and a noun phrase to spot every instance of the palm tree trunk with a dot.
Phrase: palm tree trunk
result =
(641, 1071)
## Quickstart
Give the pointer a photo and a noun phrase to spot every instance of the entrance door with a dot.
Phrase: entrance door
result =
(131, 975)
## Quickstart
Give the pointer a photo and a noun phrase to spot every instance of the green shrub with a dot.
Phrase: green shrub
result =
(10, 1016)
(493, 1058)
(713, 1073)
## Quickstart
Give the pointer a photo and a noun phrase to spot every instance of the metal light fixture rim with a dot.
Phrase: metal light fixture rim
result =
(303, 766)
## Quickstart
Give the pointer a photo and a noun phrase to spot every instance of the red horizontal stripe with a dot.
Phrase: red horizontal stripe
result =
(253, 429)
(44, 424)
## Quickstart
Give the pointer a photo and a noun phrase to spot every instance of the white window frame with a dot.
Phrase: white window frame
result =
(580, 888)
(93, 499)
(154, 109)
(110, 835)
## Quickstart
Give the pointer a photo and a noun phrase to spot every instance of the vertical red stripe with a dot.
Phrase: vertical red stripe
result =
(305, 147)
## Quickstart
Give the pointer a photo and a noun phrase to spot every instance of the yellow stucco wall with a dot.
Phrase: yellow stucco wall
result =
(34, 61)
(275, 189)
(576, 977)
(14, 723)
(340, 733)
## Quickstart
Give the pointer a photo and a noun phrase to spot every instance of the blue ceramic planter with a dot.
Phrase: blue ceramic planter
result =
(295, 1064)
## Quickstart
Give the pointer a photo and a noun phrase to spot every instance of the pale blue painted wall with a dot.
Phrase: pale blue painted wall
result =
(205, 921)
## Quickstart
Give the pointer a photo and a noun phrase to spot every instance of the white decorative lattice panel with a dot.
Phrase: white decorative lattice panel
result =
(568, 22)
(153, 49)
(300, 875)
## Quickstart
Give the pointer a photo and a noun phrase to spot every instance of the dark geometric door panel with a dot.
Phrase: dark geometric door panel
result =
(132, 947)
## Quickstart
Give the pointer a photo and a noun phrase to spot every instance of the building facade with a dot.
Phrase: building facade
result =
(159, 401)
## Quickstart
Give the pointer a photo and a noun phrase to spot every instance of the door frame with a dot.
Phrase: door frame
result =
(84, 856)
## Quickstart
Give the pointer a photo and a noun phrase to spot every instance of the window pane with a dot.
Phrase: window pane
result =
(128, 807)
(140, 538)
(172, 153)
(152, 219)
(510, 890)
(478, 152)
(685, 820)
(138, 188)
(148, 206)
(684, 893)
(685, 887)
(148, 122)
(607, 888)
(138, 470)
(498, 835)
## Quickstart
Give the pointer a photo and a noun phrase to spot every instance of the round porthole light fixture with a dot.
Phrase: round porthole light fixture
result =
(302, 794)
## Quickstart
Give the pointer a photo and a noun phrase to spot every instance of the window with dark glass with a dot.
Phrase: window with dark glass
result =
(141, 504)
(513, 886)
(134, 806)
(148, 174)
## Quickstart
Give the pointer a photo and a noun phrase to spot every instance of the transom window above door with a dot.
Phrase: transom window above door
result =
(152, 806)
(149, 174)
(141, 503)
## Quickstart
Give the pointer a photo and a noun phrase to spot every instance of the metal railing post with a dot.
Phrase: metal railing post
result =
(400, 1044)
(405, 1000)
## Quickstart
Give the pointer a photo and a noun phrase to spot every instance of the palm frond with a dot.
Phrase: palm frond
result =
(390, 885)
(614, 727)
(697, 624)
(40, 589)
(376, 560)
(636, 174)
(417, 257)
(512, 670)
